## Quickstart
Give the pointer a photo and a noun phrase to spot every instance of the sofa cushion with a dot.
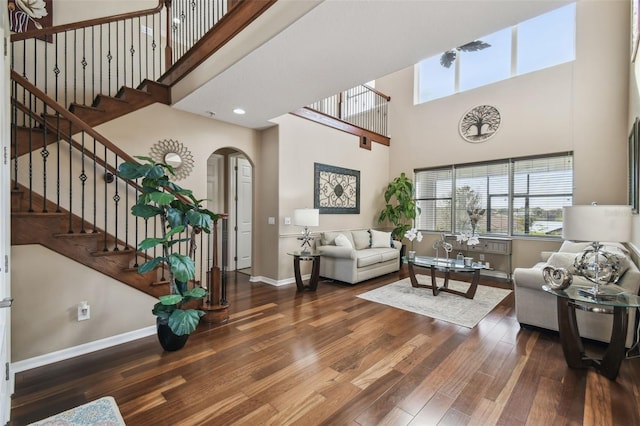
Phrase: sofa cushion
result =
(368, 257)
(361, 239)
(329, 238)
(380, 239)
(578, 247)
(343, 241)
(562, 260)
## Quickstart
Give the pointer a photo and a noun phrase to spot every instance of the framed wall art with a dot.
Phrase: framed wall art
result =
(634, 170)
(336, 190)
(30, 15)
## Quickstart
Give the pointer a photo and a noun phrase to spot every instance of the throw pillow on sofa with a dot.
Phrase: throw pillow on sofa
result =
(361, 239)
(343, 241)
(380, 239)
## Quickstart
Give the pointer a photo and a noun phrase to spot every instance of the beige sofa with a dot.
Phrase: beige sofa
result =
(352, 256)
(535, 307)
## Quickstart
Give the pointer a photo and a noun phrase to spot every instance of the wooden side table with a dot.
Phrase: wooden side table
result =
(315, 269)
(571, 299)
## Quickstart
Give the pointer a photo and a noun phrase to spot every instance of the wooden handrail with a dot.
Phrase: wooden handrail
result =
(238, 18)
(81, 125)
(88, 23)
(377, 92)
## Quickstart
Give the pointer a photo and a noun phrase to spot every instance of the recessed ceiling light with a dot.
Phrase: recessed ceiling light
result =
(239, 111)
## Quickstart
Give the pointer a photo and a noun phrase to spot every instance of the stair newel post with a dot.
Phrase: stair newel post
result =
(215, 304)
(168, 50)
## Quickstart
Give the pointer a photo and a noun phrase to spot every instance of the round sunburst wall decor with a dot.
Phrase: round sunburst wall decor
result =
(480, 123)
(175, 154)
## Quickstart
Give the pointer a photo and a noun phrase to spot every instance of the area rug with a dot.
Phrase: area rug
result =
(445, 306)
(103, 412)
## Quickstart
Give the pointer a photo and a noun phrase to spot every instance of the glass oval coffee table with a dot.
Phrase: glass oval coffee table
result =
(571, 299)
(447, 266)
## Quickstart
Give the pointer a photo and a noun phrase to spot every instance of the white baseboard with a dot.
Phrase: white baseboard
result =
(277, 283)
(83, 349)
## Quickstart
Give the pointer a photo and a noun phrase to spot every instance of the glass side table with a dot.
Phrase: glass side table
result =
(313, 256)
(571, 299)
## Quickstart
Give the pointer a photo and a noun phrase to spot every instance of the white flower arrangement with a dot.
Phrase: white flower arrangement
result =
(413, 234)
(470, 239)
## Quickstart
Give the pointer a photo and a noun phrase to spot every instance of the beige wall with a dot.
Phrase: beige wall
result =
(580, 106)
(44, 312)
(303, 143)
(265, 239)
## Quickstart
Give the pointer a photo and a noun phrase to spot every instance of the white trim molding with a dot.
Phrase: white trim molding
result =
(83, 349)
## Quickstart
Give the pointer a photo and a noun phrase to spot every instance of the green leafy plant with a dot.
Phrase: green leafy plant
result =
(400, 208)
(179, 212)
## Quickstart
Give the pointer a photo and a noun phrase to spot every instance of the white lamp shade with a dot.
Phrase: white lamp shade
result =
(597, 223)
(306, 217)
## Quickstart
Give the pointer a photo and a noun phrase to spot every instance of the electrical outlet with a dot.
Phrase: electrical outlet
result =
(482, 258)
(84, 311)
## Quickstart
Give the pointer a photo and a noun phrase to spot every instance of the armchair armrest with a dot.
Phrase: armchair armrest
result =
(337, 251)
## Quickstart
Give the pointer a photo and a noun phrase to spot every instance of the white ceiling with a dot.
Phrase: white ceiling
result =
(313, 49)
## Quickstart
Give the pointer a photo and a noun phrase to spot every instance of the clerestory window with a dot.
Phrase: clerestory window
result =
(541, 42)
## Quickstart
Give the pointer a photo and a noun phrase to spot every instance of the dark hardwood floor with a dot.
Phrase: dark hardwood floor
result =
(332, 358)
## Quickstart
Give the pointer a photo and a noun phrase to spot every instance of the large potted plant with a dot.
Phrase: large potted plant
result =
(400, 208)
(179, 212)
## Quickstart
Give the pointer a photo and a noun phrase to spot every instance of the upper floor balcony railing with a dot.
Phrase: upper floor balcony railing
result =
(361, 106)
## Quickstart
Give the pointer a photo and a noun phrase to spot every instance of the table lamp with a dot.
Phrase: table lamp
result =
(306, 218)
(597, 223)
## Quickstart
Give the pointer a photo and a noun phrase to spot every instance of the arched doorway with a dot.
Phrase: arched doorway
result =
(230, 190)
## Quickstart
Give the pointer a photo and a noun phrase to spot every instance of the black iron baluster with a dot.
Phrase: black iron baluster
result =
(45, 154)
(109, 59)
(70, 141)
(146, 45)
(132, 50)
(101, 61)
(75, 66)
(84, 68)
(126, 214)
(116, 201)
(117, 57)
(58, 137)
(136, 219)
(56, 68)
(30, 121)
(93, 62)
(139, 50)
(83, 181)
(95, 187)
(106, 226)
(153, 47)
(66, 70)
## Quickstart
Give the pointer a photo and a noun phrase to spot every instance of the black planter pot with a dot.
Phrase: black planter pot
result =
(168, 340)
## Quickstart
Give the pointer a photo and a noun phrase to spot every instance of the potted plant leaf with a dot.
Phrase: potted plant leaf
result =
(180, 213)
(400, 208)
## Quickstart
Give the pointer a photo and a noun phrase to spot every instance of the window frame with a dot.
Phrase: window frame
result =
(511, 196)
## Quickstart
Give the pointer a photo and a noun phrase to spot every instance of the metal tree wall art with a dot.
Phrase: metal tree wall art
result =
(480, 123)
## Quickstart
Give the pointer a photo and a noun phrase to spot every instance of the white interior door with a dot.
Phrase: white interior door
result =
(6, 378)
(244, 211)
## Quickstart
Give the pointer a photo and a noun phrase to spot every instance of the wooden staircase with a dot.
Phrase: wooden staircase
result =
(49, 228)
(38, 221)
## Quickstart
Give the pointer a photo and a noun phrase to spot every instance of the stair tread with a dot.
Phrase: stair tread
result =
(38, 214)
(113, 252)
(88, 234)
(74, 105)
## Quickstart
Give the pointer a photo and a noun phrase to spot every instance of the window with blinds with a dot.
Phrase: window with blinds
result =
(521, 196)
